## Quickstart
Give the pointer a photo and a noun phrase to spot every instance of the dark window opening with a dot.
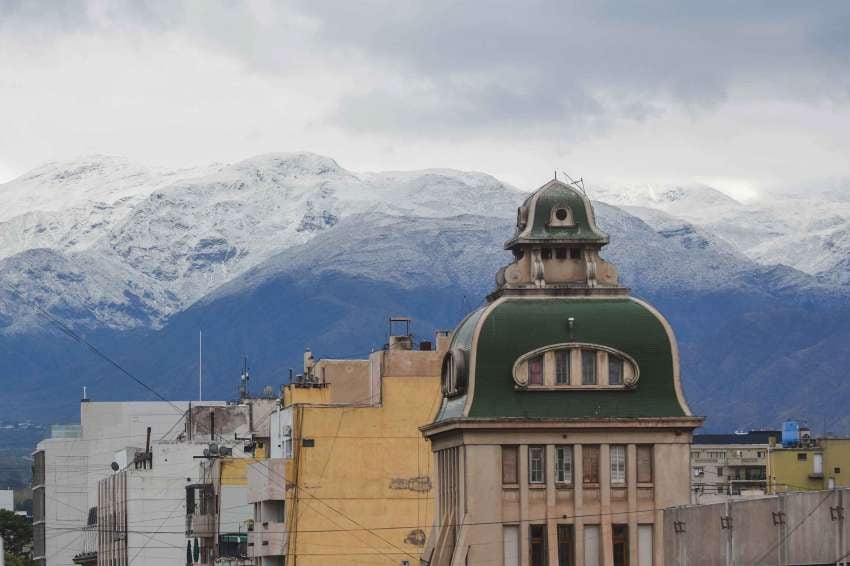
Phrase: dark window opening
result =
(566, 546)
(518, 254)
(546, 253)
(561, 214)
(620, 540)
(575, 253)
(588, 367)
(802, 456)
(615, 370)
(308, 442)
(837, 471)
(537, 545)
(561, 253)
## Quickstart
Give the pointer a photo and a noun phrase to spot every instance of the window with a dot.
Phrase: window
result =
(535, 370)
(615, 370)
(561, 214)
(588, 367)
(510, 537)
(509, 464)
(564, 464)
(537, 545)
(802, 456)
(620, 540)
(546, 253)
(644, 464)
(836, 471)
(562, 367)
(566, 545)
(536, 464)
(618, 464)
(590, 464)
(575, 253)
(561, 253)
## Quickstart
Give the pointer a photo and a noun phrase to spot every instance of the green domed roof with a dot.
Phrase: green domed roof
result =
(534, 220)
(496, 336)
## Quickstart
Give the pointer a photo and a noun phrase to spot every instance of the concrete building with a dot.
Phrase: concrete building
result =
(810, 464)
(68, 466)
(163, 497)
(349, 480)
(562, 431)
(787, 529)
(7, 499)
(725, 466)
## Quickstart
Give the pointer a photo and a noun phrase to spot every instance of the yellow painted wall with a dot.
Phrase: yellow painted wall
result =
(784, 467)
(354, 498)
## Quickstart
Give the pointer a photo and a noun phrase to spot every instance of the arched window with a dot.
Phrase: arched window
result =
(575, 366)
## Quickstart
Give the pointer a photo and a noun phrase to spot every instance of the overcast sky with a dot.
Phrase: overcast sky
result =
(749, 96)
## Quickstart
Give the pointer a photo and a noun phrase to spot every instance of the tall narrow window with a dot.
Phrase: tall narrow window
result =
(536, 464)
(564, 464)
(620, 540)
(575, 253)
(509, 464)
(615, 370)
(561, 253)
(618, 464)
(566, 546)
(537, 545)
(535, 370)
(644, 463)
(562, 367)
(588, 367)
(510, 537)
(590, 464)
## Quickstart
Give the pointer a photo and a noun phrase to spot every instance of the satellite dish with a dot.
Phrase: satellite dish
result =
(114, 466)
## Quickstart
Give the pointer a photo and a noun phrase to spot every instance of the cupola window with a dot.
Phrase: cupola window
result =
(594, 367)
(588, 367)
(454, 373)
(561, 216)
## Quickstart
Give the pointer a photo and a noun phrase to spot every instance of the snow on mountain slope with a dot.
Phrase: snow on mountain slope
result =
(806, 234)
(180, 234)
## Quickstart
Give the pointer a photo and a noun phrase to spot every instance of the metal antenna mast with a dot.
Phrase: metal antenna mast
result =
(200, 365)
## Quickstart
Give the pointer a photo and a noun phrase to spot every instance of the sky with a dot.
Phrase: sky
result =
(751, 97)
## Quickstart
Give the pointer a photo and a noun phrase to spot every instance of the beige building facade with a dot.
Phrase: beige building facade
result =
(563, 431)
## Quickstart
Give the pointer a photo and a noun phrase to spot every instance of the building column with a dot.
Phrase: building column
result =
(551, 507)
(578, 502)
(631, 483)
(524, 551)
(605, 504)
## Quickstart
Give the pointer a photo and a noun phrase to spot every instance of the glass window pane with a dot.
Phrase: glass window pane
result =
(615, 370)
(564, 464)
(618, 464)
(536, 463)
(562, 367)
(535, 370)
(588, 367)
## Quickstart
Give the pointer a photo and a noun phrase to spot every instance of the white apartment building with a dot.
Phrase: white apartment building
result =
(68, 466)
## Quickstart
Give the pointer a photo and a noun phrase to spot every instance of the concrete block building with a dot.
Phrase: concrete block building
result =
(562, 431)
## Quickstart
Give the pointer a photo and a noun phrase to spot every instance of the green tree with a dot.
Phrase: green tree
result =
(16, 532)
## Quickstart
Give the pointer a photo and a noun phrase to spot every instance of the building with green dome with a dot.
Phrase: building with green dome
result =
(562, 430)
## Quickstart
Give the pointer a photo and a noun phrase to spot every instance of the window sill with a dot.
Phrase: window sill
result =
(511, 486)
(563, 485)
(591, 485)
(537, 486)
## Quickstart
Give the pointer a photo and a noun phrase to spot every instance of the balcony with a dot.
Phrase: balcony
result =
(267, 539)
(88, 553)
(201, 526)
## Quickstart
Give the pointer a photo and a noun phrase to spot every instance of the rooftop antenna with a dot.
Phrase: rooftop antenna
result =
(577, 184)
(243, 381)
(200, 365)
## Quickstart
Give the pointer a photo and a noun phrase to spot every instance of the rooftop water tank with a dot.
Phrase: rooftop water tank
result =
(790, 433)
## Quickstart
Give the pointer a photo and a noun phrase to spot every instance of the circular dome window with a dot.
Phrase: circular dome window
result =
(561, 214)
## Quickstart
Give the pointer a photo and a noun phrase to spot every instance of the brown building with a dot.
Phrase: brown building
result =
(563, 431)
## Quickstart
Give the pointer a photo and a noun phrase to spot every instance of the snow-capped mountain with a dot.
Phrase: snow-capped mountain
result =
(280, 251)
(148, 243)
(812, 235)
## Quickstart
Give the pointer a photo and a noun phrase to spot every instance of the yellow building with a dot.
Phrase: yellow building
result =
(821, 463)
(349, 477)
